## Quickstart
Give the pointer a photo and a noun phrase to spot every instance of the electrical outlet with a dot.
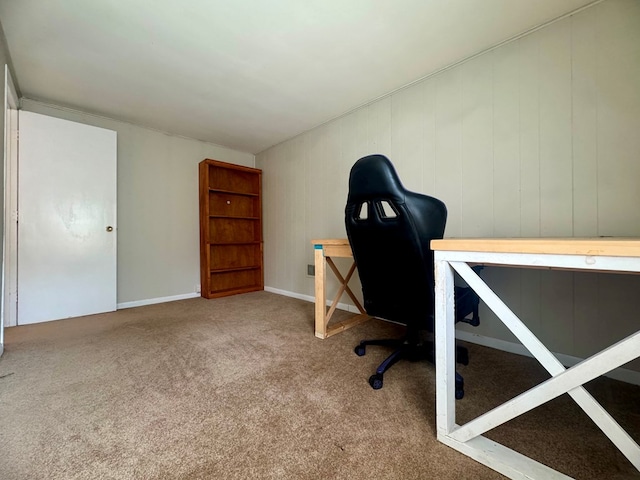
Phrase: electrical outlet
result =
(198, 288)
(311, 270)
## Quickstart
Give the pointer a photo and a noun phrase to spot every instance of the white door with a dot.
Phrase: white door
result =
(66, 219)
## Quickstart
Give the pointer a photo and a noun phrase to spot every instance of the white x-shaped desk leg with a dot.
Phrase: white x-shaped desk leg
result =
(563, 381)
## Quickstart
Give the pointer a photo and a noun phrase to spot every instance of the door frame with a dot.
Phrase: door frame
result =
(9, 273)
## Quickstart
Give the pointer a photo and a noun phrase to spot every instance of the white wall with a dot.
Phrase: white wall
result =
(538, 137)
(158, 233)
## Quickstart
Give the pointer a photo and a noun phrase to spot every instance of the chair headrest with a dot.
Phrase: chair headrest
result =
(374, 176)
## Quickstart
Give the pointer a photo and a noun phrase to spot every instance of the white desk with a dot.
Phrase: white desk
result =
(620, 255)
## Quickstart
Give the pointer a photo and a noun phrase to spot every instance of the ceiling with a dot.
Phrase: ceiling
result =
(246, 74)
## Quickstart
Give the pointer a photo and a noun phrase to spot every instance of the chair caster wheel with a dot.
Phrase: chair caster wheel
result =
(375, 381)
(359, 350)
(459, 394)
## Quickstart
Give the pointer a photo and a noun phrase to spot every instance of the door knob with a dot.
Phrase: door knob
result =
(109, 228)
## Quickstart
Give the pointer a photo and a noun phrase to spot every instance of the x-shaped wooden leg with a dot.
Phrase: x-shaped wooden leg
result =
(322, 257)
(344, 287)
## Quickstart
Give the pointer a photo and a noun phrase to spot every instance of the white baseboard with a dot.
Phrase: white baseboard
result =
(341, 306)
(286, 293)
(151, 301)
(622, 374)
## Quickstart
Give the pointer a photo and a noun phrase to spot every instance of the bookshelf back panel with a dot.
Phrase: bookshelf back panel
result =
(234, 230)
(223, 178)
(235, 256)
(233, 205)
(235, 280)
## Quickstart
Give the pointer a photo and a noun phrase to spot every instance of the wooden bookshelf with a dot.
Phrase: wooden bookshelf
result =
(230, 229)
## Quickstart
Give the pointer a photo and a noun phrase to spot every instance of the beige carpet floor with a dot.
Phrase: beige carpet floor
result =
(239, 388)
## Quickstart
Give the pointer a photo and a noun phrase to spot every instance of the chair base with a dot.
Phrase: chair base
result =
(413, 352)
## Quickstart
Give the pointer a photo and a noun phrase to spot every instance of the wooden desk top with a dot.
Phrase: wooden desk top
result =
(597, 246)
(610, 246)
(330, 241)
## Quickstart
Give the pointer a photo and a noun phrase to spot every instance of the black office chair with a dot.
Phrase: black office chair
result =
(390, 230)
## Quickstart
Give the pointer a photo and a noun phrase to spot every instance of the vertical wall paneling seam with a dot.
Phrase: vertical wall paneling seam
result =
(287, 230)
(282, 194)
(519, 77)
(285, 224)
(341, 137)
(520, 57)
(432, 132)
(538, 138)
(573, 152)
(392, 111)
(305, 202)
(572, 60)
(436, 113)
(598, 304)
(461, 150)
(305, 180)
(520, 134)
(574, 299)
(464, 160)
(461, 88)
(492, 56)
(369, 129)
(521, 289)
(421, 156)
(596, 28)
(423, 132)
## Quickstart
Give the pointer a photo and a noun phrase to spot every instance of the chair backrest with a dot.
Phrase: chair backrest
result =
(390, 230)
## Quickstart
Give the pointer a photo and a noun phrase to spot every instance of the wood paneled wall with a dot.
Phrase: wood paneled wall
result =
(538, 137)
